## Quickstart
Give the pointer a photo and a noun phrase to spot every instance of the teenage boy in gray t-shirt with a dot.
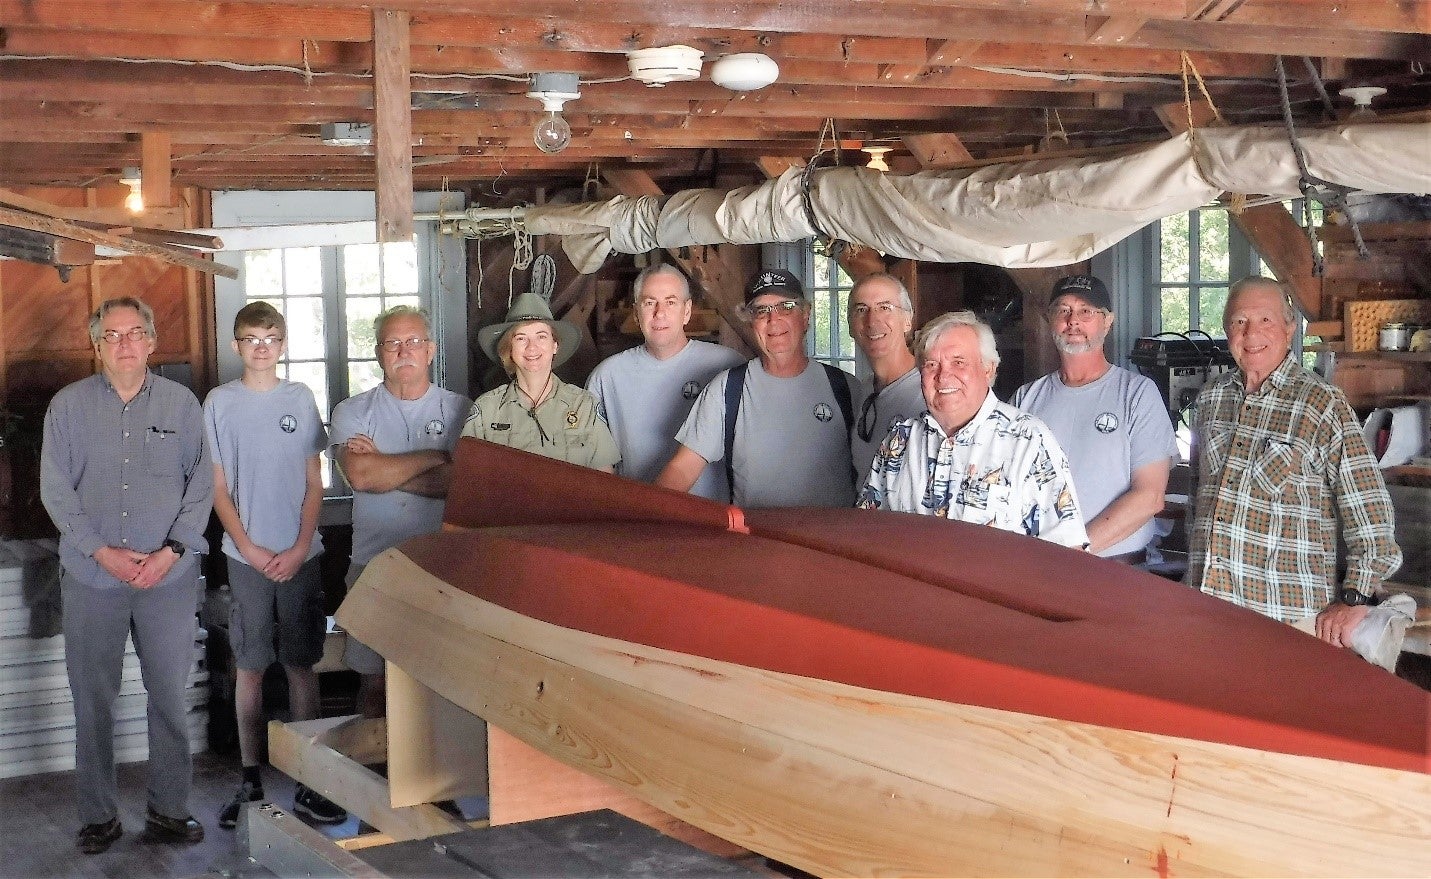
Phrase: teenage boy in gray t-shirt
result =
(265, 436)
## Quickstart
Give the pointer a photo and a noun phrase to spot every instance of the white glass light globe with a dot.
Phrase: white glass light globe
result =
(552, 134)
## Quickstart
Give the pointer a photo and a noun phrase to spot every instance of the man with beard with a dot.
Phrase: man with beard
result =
(1111, 423)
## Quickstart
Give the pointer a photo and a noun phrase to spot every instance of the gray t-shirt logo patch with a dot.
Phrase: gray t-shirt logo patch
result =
(1106, 422)
(288, 424)
(435, 427)
(823, 412)
(690, 390)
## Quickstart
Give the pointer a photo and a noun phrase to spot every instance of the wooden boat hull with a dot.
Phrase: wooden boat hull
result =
(540, 631)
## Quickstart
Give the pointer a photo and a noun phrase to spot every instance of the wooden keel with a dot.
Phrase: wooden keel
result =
(843, 780)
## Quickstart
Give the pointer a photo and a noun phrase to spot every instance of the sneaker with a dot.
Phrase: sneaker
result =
(307, 801)
(162, 828)
(95, 838)
(248, 792)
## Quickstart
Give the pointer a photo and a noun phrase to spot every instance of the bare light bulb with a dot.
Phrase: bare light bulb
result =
(552, 134)
(134, 201)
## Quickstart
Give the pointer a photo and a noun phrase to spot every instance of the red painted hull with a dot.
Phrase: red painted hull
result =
(910, 605)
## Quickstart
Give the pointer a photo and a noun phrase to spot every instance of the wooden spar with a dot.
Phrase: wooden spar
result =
(859, 694)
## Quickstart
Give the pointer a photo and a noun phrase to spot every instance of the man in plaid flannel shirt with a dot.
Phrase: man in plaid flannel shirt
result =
(1280, 468)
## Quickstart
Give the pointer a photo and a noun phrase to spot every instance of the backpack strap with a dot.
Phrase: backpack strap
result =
(734, 387)
(841, 389)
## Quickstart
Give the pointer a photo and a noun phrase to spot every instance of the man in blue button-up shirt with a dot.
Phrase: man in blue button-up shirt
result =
(126, 477)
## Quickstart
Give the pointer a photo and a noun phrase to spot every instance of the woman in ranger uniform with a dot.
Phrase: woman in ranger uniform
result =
(536, 411)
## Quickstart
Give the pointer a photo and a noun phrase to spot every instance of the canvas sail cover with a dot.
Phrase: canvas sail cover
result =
(1039, 212)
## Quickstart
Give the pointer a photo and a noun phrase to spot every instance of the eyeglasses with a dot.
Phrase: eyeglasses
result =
(1083, 312)
(138, 334)
(392, 346)
(757, 312)
(256, 341)
(883, 309)
(869, 417)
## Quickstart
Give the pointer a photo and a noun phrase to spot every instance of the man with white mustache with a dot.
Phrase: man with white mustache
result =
(394, 443)
(1111, 422)
(968, 456)
(881, 318)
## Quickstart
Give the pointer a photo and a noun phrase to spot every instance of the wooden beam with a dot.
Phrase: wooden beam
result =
(1113, 30)
(938, 150)
(175, 255)
(392, 138)
(103, 216)
(155, 169)
(300, 751)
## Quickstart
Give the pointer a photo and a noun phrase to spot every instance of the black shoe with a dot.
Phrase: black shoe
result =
(95, 838)
(248, 792)
(162, 828)
(317, 807)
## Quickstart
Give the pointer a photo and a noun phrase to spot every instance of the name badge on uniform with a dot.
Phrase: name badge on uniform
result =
(500, 426)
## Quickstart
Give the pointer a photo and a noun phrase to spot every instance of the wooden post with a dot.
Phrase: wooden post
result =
(155, 169)
(392, 130)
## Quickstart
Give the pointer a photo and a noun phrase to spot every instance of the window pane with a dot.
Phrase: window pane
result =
(1174, 302)
(363, 375)
(361, 311)
(400, 267)
(822, 273)
(360, 270)
(315, 376)
(1173, 248)
(1210, 303)
(305, 328)
(1212, 256)
(302, 272)
(841, 278)
(263, 274)
(390, 301)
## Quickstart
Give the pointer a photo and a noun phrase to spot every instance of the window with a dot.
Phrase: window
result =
(829, 286)
(1192, 266)
(330, 296)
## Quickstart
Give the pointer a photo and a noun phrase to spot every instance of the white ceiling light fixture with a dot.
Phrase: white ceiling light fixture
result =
(877, 153)
(1361, 96)
(745, 71)
(662, 64)
(552, 134)
(134, 201)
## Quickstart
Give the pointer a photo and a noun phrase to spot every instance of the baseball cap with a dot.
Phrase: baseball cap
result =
(1085, 287)
(774, 281)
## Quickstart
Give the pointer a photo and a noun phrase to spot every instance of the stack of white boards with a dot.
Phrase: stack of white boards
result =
(36, 710)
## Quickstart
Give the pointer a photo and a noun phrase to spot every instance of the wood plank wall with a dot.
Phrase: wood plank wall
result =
(44, 336)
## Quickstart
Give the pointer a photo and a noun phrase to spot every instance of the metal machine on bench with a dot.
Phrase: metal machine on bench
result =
(1180, 365)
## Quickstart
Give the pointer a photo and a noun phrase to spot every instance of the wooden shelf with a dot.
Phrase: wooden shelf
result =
(1395, 356)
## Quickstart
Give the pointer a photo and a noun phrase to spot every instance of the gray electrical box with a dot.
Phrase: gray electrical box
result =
(346, 133)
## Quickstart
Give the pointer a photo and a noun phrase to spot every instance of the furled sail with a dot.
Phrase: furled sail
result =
(1038, 212)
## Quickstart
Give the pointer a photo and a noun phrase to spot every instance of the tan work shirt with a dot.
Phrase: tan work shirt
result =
(565, 426)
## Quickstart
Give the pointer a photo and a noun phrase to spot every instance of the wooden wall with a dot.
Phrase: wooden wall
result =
(44, 336)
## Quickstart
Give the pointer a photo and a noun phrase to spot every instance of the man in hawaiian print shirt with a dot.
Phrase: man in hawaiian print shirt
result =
(969, 456)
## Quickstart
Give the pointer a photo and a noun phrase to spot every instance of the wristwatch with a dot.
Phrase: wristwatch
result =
(1354, 597)
(176, 547)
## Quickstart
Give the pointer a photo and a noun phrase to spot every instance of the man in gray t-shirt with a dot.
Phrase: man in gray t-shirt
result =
(881, 319)
(645, 393)
(791, 443)
(1111, 423)
(394, 445)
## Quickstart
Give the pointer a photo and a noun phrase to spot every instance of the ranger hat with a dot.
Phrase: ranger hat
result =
(525, 308)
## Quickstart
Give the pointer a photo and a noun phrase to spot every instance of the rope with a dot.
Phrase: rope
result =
(1328, 108)
(1188, 66)
(1314, 188)
(521, 257)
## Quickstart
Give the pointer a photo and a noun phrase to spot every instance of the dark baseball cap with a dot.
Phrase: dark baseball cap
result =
(1085, 287)
(776, 282)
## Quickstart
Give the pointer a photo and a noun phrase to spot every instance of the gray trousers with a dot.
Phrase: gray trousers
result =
(96, 622)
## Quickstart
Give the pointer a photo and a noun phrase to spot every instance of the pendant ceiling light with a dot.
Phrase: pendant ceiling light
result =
(134, 201)
(552, 134)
